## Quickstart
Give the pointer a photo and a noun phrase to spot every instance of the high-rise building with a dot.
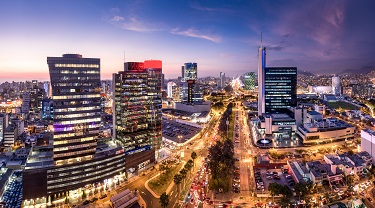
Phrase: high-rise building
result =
(280, 87)
(76, 93)
(336, 85)
(261, 73)
(4, 122)
(249, 81)
(137, 112)
(170, 87)
(77, 157)
(222, 80)
(190, 91)
(25, 107)
(47, 109)
(37, 94)
(277, 86)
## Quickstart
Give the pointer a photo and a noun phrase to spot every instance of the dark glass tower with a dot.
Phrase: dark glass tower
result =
(75, 85)
(137, 112)
(280, 86)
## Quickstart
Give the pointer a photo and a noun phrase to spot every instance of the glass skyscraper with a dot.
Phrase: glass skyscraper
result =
(75, 85)
(280, 86)
(77, 158)
(137, 112)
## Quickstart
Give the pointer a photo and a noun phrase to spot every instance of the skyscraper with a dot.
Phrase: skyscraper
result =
(222, 80)
(76, 93)
(336, 85)
(189, 90)
(280, 86)
(137, 112)
(277, 86)
(261, 72)
(76, 157)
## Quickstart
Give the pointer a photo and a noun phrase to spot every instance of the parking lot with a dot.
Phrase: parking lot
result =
(263, 177)
(13, 191)
(172, 130)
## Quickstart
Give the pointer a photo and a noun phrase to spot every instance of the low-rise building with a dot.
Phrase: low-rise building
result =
(10, 135)
(322, 172)
(368, 142)
(330, 129)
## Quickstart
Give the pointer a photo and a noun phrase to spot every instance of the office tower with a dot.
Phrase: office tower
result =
(75, 160)
(222, 80)
(189, 90)
(261, 72)
(336, 85)
(170, 87)
(36, 96)
(280, 86)
(76, 93)
(249, 81)
(137, 112)
(277, 86)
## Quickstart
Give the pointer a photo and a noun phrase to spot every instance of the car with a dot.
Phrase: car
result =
(93, 199)
(103, 196)
(288, 176)
(85, 202)
(370, 199)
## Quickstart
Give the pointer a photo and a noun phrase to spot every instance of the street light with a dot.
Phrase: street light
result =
(227, 122)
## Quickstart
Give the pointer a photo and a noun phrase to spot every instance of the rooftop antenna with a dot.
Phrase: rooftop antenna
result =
(261, 40)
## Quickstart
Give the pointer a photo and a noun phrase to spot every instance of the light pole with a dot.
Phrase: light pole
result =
(227, 122)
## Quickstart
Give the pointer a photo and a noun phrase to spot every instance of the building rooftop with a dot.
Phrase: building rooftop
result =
(314, 113)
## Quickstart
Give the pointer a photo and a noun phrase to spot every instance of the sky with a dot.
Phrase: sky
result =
(318, 36)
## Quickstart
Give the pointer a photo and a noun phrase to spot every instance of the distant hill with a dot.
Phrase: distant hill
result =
(304, 73)
(363, 70)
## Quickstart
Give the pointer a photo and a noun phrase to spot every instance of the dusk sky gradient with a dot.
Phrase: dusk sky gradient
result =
(319, 36)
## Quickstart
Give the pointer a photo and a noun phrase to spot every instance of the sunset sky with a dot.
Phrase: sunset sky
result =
(319, 36)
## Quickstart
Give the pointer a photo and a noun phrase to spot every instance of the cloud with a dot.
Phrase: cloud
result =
(116, 19)
(133, 24)
(198, 7)
(191, 32)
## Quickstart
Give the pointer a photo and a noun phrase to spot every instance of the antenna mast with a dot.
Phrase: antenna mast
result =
(261, 40)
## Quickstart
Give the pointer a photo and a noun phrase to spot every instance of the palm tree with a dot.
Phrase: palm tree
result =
(183, 174)
(177, 180)
(193, 156)
(164, 200)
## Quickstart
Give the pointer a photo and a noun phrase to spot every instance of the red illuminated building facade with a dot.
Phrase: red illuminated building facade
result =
(137, 112)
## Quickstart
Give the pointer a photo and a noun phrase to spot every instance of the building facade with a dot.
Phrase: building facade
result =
(249, 81)
(261, 74)
(137, 113)
(280, 87)
(76, 93)
(76, 159)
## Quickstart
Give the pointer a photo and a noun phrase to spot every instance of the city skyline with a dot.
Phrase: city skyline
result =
(315, 36)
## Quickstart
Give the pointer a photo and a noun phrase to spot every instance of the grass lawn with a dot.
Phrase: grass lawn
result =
(161, 183)
(343, 105)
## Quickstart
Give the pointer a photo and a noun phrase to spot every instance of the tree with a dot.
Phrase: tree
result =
(177, 180)
(164, 200)
(350, 153)
(83, 194)
(194, 156)
(301, 189)
(274, 189)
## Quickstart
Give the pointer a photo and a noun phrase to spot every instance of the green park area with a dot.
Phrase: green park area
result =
(343, 105)
(167, 171)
